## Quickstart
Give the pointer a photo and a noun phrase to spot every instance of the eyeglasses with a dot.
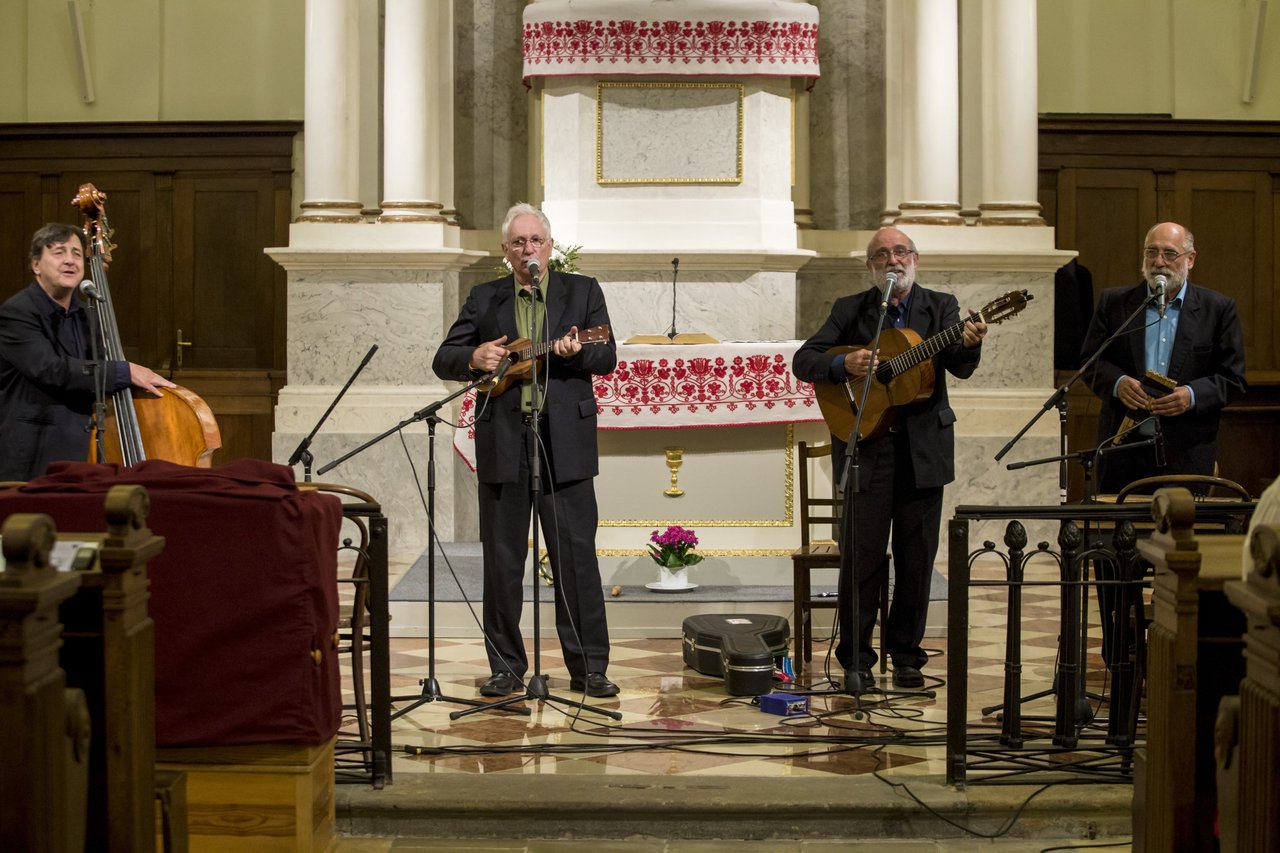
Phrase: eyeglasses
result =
(1169, 255)
(898, 252)
(519, 243)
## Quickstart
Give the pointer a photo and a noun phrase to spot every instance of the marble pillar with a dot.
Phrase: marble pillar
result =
(409, 146)
(331, 104)
(1010, 121)
(930, 105)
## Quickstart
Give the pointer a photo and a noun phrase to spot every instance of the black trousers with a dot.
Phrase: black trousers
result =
(889, 508)
(568, 519)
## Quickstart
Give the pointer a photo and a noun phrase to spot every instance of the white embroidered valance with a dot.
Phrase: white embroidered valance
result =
(660, 37)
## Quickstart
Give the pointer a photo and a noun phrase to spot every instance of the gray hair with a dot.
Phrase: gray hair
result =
(523, 208)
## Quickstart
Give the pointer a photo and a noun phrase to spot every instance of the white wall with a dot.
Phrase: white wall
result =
(1183, 58)
(153, 60)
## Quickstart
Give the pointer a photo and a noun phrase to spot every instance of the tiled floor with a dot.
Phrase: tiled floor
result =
(678, 722)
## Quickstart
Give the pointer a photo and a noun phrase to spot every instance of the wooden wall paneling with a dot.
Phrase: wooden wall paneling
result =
(131, 275)
(1230, 214)
(19, 205)
(224, 282)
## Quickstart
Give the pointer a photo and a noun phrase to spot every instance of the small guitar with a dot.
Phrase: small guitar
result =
(527, 353)
(903, 374)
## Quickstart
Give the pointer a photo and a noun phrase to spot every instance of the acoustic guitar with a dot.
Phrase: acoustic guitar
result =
(903, 374)
(528, 353)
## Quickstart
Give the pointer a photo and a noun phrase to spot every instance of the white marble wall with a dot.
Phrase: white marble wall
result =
(349, 287)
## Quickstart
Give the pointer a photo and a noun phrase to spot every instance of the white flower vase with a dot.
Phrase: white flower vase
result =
(673, 578)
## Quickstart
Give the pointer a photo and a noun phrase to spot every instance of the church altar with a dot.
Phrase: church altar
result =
(702, 436)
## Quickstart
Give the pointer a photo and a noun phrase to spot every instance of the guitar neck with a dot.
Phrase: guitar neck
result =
(928, 348)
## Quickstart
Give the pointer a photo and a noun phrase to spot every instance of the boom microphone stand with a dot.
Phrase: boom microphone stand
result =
(536, 686)
(98, 369)
(303, 450)
(430, 686)
(1075, 621)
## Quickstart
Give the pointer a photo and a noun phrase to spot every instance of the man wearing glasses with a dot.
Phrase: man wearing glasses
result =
(902, 472)
(1190, 338)
(549, 309)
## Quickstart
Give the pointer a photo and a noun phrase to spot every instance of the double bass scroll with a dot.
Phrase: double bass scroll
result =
(177, 426)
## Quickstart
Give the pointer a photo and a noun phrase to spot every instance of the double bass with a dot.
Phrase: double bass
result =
(177, 426)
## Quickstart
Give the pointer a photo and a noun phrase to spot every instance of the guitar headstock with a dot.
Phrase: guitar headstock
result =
(1001, 309)
(594, 335)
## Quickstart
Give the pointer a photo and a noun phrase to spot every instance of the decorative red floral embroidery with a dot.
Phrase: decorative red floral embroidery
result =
(683, 42)
(701, 384)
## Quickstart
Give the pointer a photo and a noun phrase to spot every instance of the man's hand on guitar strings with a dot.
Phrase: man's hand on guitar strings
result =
(858, 363)
(569, 345)
(489, 355)
(974, 331)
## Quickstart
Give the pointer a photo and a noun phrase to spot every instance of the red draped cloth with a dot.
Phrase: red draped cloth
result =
(243, 594)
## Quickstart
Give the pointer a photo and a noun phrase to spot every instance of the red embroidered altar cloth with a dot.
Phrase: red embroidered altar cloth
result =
(656, 386)
(745, 38)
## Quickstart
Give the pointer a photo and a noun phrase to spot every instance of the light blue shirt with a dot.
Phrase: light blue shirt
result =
(1159, 335)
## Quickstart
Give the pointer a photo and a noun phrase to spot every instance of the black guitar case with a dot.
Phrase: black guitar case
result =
(742, 648)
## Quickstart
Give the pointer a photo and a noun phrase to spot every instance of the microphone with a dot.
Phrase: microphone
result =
(890, 282)
(89, 290)
(512, 358)
(1159, 445)
(534, 268)
(1161, 284)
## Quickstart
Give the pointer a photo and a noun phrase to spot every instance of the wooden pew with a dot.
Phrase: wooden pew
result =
(1193, 660)
(107, 651)
(1254, 823)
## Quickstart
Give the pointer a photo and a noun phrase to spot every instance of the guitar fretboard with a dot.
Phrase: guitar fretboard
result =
(904, 361)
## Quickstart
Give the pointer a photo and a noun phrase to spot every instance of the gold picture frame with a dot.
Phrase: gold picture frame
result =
(643, 123)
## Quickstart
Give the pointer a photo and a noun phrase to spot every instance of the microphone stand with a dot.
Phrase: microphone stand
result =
(536, 686)
(675, 268)
(1074, 617)
(97, 368)
(1058, 397)
(430, 686)
(849, 479)
(303, 450)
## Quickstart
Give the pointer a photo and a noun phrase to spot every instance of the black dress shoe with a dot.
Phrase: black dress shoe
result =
(864, 675)
(595, 684)
(501, 684)
(907, 676)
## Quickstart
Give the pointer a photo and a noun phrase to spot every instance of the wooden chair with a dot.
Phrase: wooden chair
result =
(1200, 485)
(818, 553)
(353, 625)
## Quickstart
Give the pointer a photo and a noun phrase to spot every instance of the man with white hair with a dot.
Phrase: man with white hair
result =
(554, 310)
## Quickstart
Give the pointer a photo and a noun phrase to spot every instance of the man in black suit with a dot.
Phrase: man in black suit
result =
(901, 473)
(539, 306)
(46, 388)
(1191, 336)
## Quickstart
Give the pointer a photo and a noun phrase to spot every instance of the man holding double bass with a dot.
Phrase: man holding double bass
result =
(46, 385)
(901, 472)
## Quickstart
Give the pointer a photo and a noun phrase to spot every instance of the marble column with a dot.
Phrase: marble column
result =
(1010, 120)
(440, 105)
(331, 102)
(930, 113)
(410, 82)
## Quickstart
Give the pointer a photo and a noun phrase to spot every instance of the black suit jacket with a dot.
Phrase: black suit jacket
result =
(46, 395)
(570, 410)
(930, 423)
(1208, 355)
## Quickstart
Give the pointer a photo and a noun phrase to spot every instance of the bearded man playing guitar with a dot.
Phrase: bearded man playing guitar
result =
(905, 458)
